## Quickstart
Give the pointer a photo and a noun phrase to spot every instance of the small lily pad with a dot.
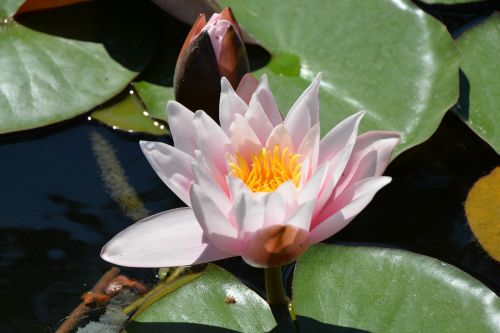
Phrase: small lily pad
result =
(126, 113)
(482, 208)
(480, 100)
(367, 289)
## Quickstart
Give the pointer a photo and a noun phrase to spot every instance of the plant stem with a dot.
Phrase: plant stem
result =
(274, 288)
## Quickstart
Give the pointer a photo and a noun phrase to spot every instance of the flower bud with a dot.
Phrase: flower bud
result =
(212, 50)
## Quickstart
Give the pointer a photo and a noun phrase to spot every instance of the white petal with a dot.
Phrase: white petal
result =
(249, 214)
(338, 213)
(311, 189)
(258, 120)
(301, 217)
(279, 136)
(309, 150)
(180, 120)
(229, 105)
(304, 113)
(216, 226)
(173, 166)
(171, 238)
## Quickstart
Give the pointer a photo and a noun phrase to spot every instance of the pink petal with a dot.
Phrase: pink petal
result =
(181, 125)
(279, 136)
(172, 166)
(369, 158)
(310, 190)
(229, 105)
(304, 113)
(216, 226)
(249, 214)
(309, 150)
(167, 239)
(266, 100)
(301, 217)
(243, 138)
(247, 87)
(212, 141)
(338, 213)
(258, 120)
(212, 189)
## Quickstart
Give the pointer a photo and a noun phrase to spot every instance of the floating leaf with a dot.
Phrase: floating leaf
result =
(482, 208)
(62, 62)
(214, 302)
(480, 100)
(386, 57)
(127, 113)
(365, 289)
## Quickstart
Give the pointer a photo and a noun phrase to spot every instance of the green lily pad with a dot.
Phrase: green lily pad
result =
(154, 85)
(480, 101)
(127, 113)
(8, 8)
(387, 57)
(62, 62)
(213, 302)
(364, 289)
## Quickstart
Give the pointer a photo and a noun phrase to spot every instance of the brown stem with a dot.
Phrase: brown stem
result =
(72, 320)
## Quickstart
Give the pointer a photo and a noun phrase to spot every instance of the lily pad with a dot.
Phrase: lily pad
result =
(62, 62)
(126, 113)
(214, 302)
(479, 105)
(8, 8)
(365, 289)
(387, 57)
(482, 208)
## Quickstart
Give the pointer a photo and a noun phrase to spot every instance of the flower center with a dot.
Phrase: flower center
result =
(268, 170)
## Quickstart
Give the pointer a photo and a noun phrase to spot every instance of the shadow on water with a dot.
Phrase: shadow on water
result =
(462, 107)
(305, 324)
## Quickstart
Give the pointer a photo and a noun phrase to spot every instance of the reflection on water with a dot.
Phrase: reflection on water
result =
(57, 212)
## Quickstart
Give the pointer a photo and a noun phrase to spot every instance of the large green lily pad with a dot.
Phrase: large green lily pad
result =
(214, 302)
(364, 289)
(62, 62)
(480, 101)
(8, 8)
(387, 57)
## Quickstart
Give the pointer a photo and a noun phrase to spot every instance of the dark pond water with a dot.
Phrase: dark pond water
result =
(59, 206)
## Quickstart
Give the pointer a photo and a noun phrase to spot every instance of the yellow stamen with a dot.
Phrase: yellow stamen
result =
(268, 170)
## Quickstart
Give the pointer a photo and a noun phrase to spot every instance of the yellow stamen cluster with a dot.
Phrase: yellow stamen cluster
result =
(268, 170)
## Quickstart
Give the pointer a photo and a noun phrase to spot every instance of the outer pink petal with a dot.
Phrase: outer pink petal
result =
(304, 113)
(216, 226)
(173, 166)
(338, 213)
(369, 158)
(180, 120)
(266, 100)
(247, 87)
(243, 138)
(229, 105)
(212, 140)
(171, 238)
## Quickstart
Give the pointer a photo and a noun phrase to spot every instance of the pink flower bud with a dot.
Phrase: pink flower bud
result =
(212, 50)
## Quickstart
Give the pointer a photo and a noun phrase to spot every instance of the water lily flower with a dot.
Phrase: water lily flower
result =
(257, 186)
(211, 50)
